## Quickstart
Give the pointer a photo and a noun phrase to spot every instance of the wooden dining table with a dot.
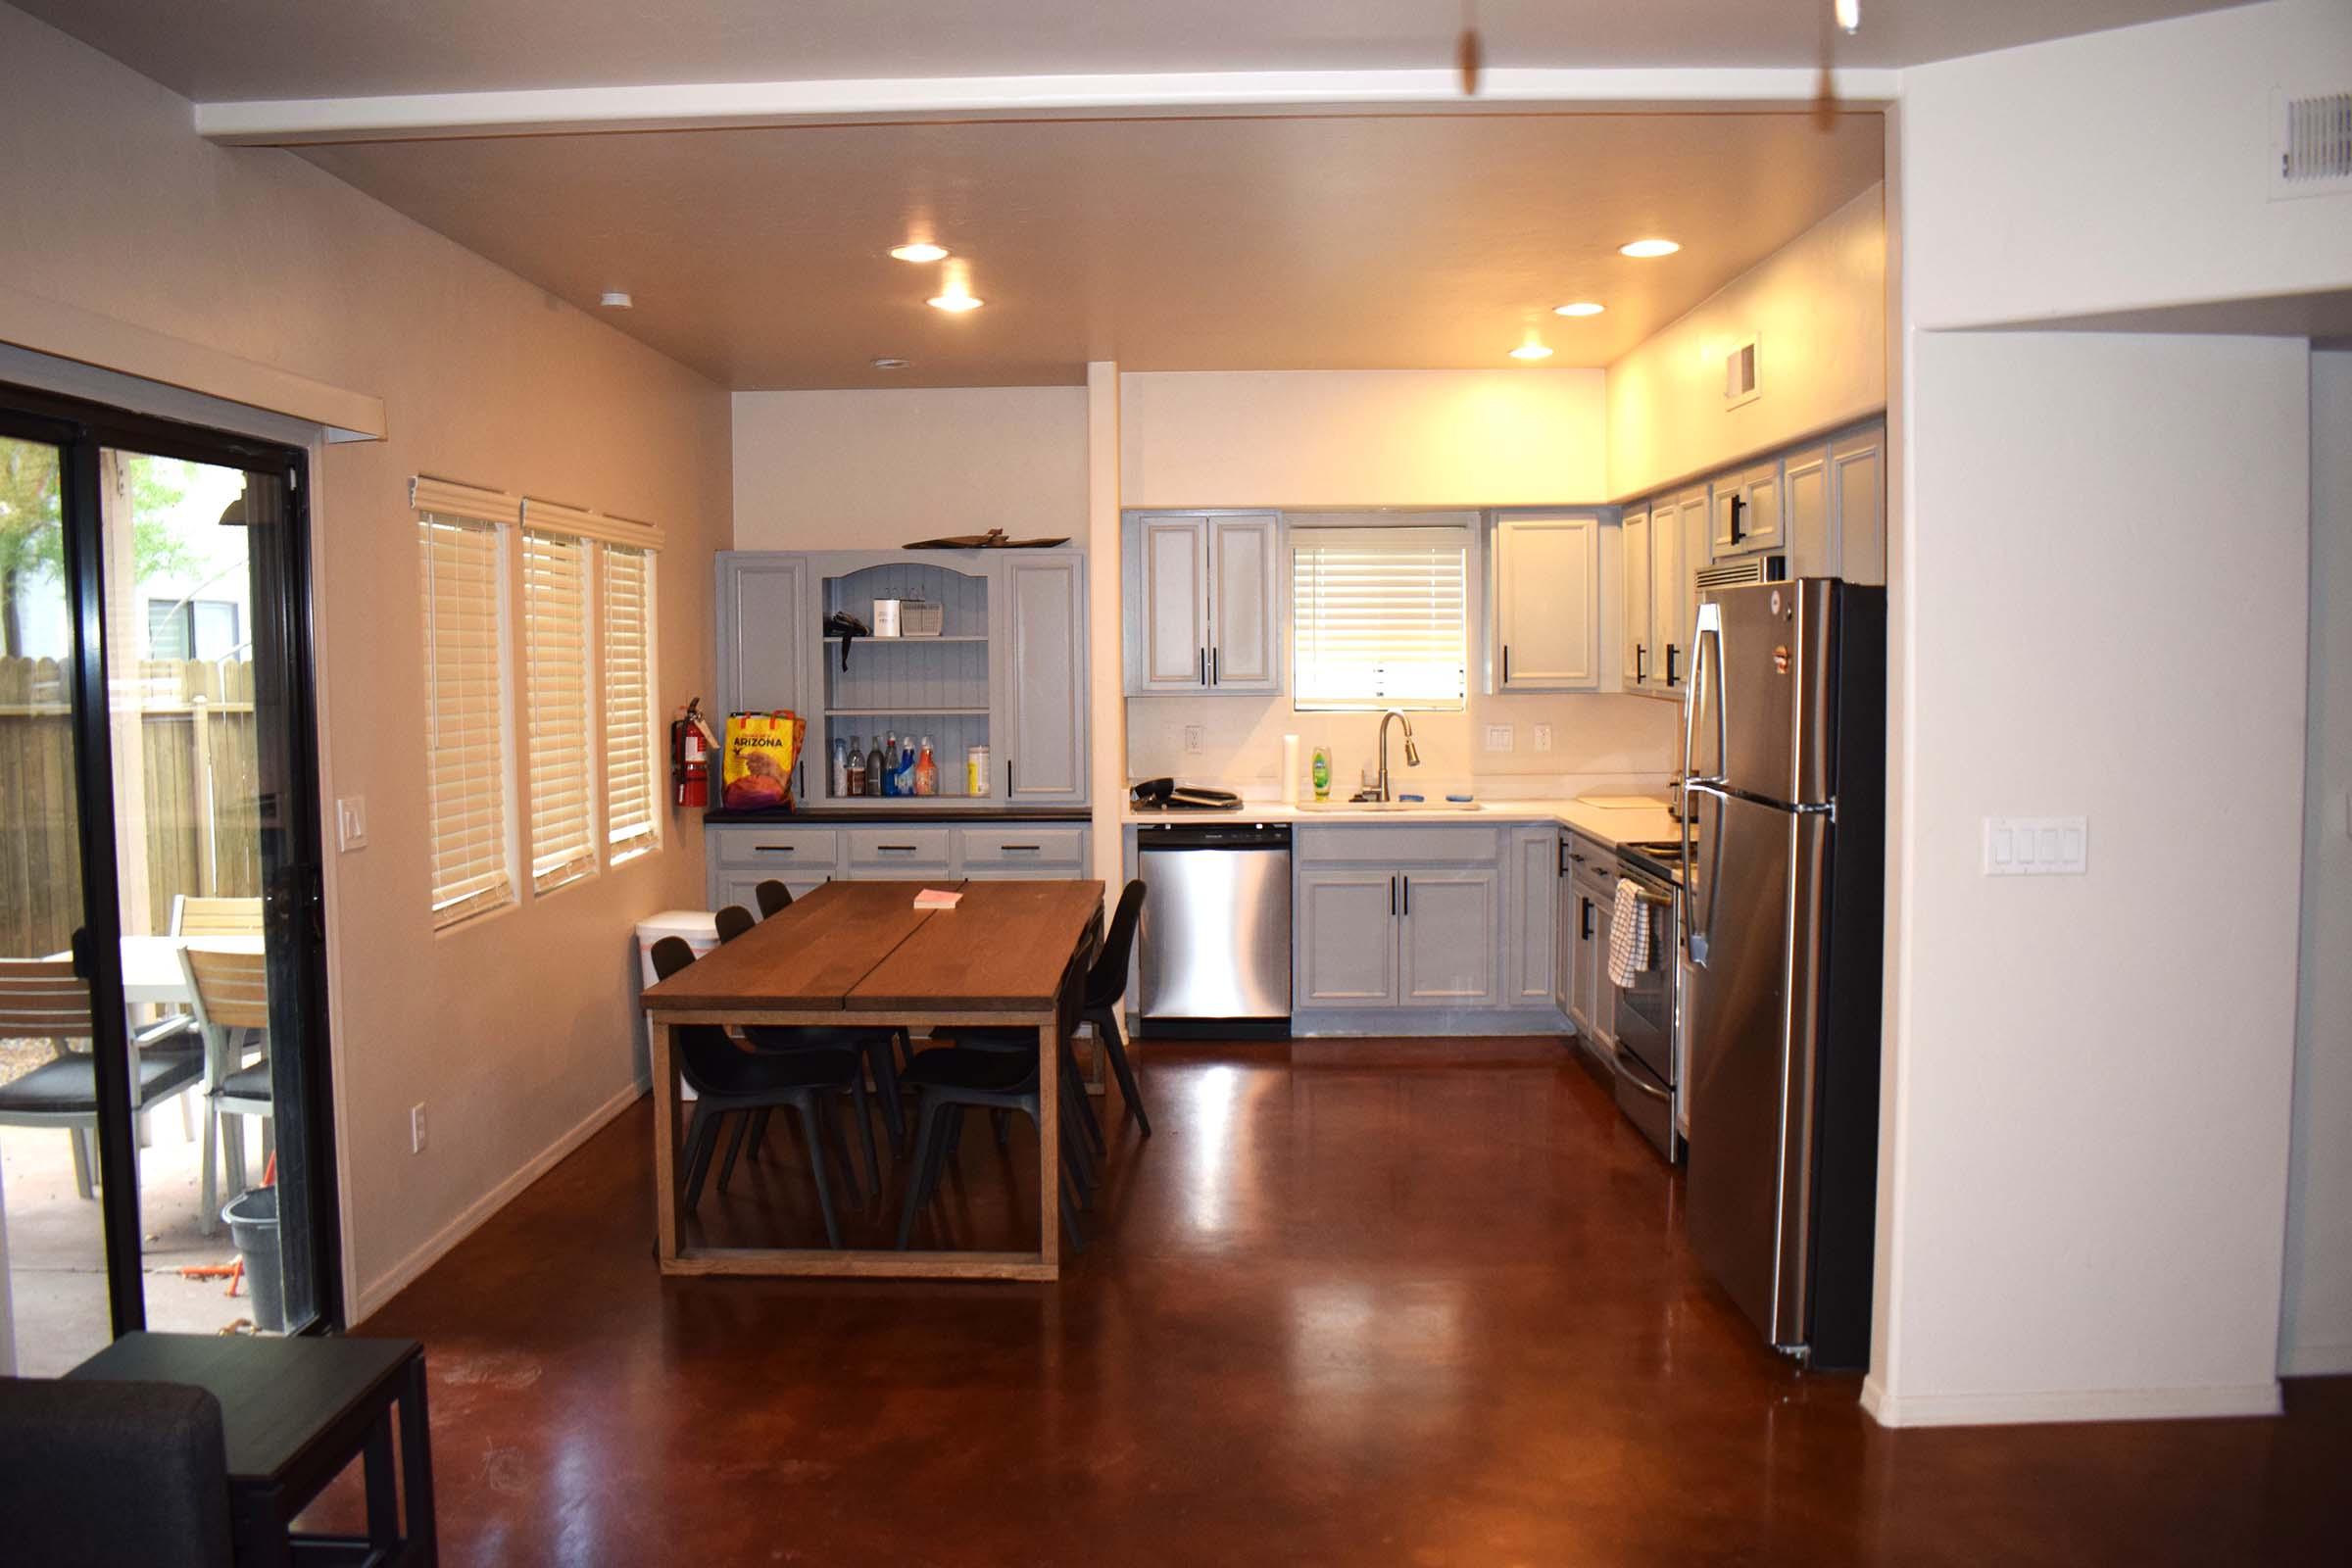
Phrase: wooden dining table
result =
(855, 954)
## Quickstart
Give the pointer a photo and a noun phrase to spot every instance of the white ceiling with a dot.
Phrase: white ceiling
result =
(1433, 241)
(233, 49)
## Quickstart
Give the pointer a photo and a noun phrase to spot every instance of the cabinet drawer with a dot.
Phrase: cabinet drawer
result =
(885, 851)
(783, 848)
(1396, 846)
(1059, 847)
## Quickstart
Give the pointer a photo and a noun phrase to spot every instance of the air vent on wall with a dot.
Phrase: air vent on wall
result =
(2310, 145)
(1739, 373)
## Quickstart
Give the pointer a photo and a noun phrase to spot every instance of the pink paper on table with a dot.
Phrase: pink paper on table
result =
(937, 898)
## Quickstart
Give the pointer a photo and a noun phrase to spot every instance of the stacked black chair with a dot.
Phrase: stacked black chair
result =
(774, 898)
(728, 1079)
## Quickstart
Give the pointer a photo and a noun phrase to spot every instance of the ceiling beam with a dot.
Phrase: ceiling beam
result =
(697, 105)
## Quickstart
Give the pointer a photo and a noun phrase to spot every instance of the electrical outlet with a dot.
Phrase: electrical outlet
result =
(2036, 846)
(1195, 737)
(1499, 737)
(351, 822)
(1542, 737)
(417, 1128)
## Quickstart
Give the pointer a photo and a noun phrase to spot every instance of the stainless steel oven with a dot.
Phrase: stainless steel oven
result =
(1645, 1064)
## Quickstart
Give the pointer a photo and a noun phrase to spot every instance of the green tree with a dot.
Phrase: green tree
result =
(31, 543)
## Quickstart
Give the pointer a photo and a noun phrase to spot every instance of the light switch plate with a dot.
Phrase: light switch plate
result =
(1499, 737)
(1542, 737)
(1195, 737)
(351, 822)
(2036, 846)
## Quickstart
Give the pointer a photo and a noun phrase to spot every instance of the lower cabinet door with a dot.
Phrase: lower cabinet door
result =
(1449, 939)
(1564, 946)
(1581, 935)
(1346, 934)
(1534, 856)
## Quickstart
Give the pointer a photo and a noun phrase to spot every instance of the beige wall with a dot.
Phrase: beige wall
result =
(855, 470)
(1380, 438)
(1818, 310)
(515, 1031)
(2316, 1330)
(2089, 1116)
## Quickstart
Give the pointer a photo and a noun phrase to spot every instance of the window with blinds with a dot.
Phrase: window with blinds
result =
(558, 723)
(466, 716)
(1380, 616)
(632, 826)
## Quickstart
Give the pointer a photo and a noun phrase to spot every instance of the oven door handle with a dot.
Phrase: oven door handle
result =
(1627, 1075)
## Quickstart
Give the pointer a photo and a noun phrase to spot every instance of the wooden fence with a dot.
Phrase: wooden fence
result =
(195, 795)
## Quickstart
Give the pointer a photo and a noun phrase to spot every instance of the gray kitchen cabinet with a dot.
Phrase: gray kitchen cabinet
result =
(1690, 537)
(1449, 947)
(1563, 933)
(741, 858)
(1040, 720)
(1812, 522)
(1543, 584)
(1640, 653)
(1535, 855)
(1858, 491)
(1747, 509)
(1346, 938)
(1205, 598)
(1020, 851)
(1670, 590)
(765, 642)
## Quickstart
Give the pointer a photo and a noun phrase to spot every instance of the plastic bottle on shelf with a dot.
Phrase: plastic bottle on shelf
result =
(856, 775)
(903, 781)
(840, 767)
(877, 772)
(926, 771)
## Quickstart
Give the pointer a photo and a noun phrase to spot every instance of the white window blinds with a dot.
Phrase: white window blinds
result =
(1379, 617)
(558, 720)
(466, 716)
(631, 825)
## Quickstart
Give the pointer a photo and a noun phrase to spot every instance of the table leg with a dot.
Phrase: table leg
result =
(667, 1198)
(259, 1526)
(383, 1487)
(423, 1546)
(1049, 1141)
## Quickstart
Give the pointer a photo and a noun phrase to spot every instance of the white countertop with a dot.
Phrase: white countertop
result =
(1609, 824)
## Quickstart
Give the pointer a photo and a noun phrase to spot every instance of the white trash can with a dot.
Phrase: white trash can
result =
(698, 928)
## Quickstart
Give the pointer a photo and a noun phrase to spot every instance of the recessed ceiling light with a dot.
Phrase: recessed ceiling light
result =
(1531, 350)
(1650, 247)
(953, 302)
(1580, 308)
(617, 299)
(919, 251)
(887, 362)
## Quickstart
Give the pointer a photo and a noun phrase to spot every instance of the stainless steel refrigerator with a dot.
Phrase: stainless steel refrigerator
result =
(1784, 806)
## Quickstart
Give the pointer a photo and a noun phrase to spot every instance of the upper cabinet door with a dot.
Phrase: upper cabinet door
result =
(1747, 509)
(1640, 653)
(1545, 586)
(1670, 642)
(765, 637)
(1042, 687)
(1858, 491)
(1245, 606)
(1810, 522)
(1167, 625)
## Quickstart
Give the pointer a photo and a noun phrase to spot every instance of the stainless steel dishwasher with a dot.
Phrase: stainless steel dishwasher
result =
(1214, 955)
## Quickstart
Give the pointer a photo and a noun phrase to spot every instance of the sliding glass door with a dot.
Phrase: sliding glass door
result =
(163, 1130)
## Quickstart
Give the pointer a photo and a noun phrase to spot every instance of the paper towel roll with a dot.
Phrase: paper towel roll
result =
(1290, 770)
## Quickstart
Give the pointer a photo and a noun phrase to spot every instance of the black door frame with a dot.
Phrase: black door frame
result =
(294, 905)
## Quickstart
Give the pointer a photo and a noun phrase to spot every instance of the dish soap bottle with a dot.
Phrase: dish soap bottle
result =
(926, 771)
(1322, 772)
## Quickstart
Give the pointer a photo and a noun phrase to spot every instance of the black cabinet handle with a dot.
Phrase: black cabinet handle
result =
(1507, 664)
(1640, 653)
(1738, 502)
(1203, 666)
(775, 848)
(1586, 934)
(1212, 666)
(1010, 848)
(1391, 897)
(896, 848)
(1409, 895)
(1671, 677)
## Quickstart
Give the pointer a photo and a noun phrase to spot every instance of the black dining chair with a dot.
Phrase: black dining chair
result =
(728, 1079)
(732, 921)
(1106, 984)
(773, 895)
(950, 1081)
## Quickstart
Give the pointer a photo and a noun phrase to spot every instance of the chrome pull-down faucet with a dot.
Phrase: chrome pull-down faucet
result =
(1413, 752)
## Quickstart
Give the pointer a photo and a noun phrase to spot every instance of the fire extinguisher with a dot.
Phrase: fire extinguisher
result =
(690, 748)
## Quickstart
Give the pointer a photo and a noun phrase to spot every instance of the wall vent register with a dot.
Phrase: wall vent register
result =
(2310, 145)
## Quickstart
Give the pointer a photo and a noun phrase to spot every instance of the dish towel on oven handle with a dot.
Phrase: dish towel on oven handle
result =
(1630, 934)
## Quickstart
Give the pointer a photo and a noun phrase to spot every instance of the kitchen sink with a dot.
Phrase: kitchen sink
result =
(1394, 808)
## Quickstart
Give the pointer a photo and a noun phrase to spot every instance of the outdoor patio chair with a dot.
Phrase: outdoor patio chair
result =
(230, 994)
(43, 998)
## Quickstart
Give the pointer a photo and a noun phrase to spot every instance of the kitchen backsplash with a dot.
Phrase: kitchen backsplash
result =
(1598, 744)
